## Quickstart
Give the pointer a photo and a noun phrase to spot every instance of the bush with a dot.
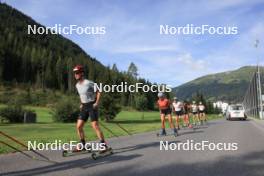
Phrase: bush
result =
(5, 96)
(23, 98)
(109, 106)
(12, 114)
(39, 98)
(141, 102)
(66, 111)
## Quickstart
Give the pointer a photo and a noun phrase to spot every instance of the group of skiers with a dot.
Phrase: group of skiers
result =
(180, 111)
(90, 99)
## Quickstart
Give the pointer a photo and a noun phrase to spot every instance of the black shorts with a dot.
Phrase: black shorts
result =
(165, 111)
(87, 111)
(178, 113)
(194, 113)
(201, 111)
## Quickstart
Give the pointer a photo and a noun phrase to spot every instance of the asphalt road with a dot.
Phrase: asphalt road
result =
(141, 155)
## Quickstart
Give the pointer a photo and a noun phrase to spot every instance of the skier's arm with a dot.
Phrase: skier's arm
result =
(98, 95)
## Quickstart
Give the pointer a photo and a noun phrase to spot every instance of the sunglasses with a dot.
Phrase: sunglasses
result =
(77, 73)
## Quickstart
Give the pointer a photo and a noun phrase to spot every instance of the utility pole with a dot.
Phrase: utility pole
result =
(259, 86)
(260, 95)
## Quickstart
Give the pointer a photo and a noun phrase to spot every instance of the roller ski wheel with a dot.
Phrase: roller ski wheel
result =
(160, 135)
(66, 153)
(191, 127)
(101, 154)
(176, 134)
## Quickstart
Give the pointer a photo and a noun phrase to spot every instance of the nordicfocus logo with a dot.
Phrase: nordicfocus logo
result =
(137, 87)
(66, 30)
(190, 145)
(190, 29)
(59, 145)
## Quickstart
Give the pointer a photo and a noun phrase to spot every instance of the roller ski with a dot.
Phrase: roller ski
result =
(184, 126)
(76, 151)
(195, 125)
(102, 153)
(163, 133)
(67, 153)
(190, 126)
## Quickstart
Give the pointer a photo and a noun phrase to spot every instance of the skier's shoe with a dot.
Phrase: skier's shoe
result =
(106, 148)
(162, 133)
(82, 146)
(175, 132)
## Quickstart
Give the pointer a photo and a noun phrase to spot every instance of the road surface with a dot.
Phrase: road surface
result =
(141, 155)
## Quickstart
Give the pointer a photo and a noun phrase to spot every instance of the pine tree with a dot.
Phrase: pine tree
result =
(114, 68)
(48, 72)
(132, 70)
(69, 75)
(59, 73)
(25, 70)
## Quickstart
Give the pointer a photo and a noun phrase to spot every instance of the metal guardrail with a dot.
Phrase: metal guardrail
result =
(253, 99)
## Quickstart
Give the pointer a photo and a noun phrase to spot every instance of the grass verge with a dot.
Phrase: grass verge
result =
(47, 131)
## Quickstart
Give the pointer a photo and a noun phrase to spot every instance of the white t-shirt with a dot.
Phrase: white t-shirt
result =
(86, 91)
(201, 107)
(194, 108)
(177, 106)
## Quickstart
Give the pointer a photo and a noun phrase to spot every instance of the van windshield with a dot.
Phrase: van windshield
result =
(236, 108)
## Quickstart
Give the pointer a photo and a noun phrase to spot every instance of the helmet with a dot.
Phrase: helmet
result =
(200, 102)
(160, 94)
(194, 102)
(175, 98)
(78, 68)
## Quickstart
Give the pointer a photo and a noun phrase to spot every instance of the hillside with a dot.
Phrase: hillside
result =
(41, 60)
(229, 86)
(43, 63)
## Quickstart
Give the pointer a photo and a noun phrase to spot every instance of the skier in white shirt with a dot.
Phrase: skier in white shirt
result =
(89, 98)
(195, 114)
(201, 109)
(177, 108)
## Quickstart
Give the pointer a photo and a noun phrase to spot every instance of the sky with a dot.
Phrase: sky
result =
(133, 34)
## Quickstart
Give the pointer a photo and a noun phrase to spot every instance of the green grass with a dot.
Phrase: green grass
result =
(47, 131)
(44, 114)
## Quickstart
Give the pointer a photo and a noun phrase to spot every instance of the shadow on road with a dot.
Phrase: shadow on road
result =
(138, 147)
(190, 132)
(80, 163)
(245, 165)
(87, 162)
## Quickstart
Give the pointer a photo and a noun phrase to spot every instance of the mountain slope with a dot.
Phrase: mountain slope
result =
(41, 60)
(45, 62)
(229, 86)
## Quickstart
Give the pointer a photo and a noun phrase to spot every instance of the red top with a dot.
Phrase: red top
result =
(163, 103)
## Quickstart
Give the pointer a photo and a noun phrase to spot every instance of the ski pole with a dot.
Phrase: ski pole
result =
(108, 129)
(123, 129)
(27, 155)
(18, 142)
(17, 149)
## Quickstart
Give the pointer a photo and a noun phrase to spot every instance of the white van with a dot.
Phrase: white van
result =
(235, 111)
